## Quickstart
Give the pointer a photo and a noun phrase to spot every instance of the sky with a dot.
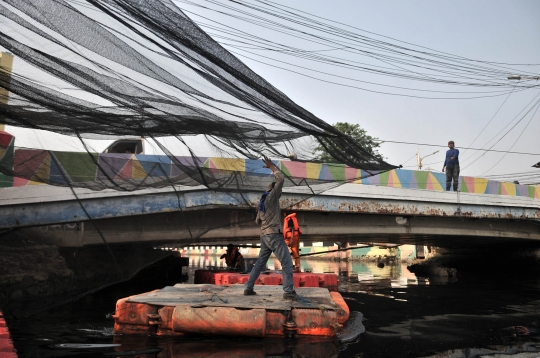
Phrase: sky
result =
(498, 31)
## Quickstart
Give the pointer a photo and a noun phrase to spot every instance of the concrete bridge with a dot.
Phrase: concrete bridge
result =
(350, 212)
(400, 206)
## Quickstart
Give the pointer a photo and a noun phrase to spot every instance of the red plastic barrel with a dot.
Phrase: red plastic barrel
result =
(219, 320)
(343, 312)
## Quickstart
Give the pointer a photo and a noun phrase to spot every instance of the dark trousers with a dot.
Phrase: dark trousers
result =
(452, 173)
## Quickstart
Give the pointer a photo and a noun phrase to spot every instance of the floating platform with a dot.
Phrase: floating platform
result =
(203, 309)
(268, 278)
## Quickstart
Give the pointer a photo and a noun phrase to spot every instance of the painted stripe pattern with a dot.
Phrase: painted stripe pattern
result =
(39, 167)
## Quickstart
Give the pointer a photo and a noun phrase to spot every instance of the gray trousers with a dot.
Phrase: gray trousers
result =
(452, 173)
(273, 243)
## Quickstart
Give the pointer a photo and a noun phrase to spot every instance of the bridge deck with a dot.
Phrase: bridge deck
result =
(43, 205)
(197, 214)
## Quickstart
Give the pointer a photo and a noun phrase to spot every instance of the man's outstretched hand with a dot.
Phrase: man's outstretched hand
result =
(268, 163)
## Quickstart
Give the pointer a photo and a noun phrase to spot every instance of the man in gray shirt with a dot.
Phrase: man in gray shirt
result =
(269, 216)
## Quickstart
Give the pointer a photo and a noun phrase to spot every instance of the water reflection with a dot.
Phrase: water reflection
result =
(364, 272)
(353, 276)
(518, 351)
(233, 347)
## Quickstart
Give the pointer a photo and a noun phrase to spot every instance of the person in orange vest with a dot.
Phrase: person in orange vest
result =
(292, 232)
(233, 257)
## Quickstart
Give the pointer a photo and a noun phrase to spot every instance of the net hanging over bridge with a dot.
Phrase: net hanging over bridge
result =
(104, 69)
(112, 69)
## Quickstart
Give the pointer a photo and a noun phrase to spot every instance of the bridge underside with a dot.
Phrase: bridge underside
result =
(351, 213)
(221, 226)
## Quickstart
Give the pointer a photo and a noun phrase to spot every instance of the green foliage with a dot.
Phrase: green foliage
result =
(354, 131)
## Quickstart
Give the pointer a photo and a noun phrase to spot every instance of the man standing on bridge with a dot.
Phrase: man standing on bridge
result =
(451, 164)
(269, 215)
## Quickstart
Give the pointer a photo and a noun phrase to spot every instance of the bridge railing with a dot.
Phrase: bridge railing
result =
(78, 168)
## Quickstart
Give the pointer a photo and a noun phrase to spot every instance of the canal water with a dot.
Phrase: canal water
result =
(482, 315)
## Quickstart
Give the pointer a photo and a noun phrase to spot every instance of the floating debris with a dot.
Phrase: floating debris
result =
(83, 345)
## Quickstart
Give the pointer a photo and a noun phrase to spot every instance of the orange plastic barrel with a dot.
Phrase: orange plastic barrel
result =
(308, 280)
(330, 280)
(229, 278)
(219, 320)
(218, 278)
(343, 312)
(315, 322)
(134, 318)
(242, 279)
(269, 280)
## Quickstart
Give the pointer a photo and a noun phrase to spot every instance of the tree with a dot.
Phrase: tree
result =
(354, 131)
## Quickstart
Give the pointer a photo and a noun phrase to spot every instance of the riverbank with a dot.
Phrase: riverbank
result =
(34, 277)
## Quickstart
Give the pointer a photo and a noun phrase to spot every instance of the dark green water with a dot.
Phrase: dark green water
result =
(405, 316)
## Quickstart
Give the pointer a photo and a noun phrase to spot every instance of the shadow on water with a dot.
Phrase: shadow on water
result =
(405, 316)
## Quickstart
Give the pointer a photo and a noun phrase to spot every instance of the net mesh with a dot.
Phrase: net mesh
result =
(110, 69)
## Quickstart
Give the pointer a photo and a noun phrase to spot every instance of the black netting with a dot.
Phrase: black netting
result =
(106, 69)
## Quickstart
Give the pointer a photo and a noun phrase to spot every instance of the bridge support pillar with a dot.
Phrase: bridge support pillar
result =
(420, 252)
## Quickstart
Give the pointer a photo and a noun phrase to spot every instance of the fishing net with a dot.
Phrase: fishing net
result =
(123, 69)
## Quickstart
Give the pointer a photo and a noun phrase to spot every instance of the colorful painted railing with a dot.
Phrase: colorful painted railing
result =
(39, 167)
